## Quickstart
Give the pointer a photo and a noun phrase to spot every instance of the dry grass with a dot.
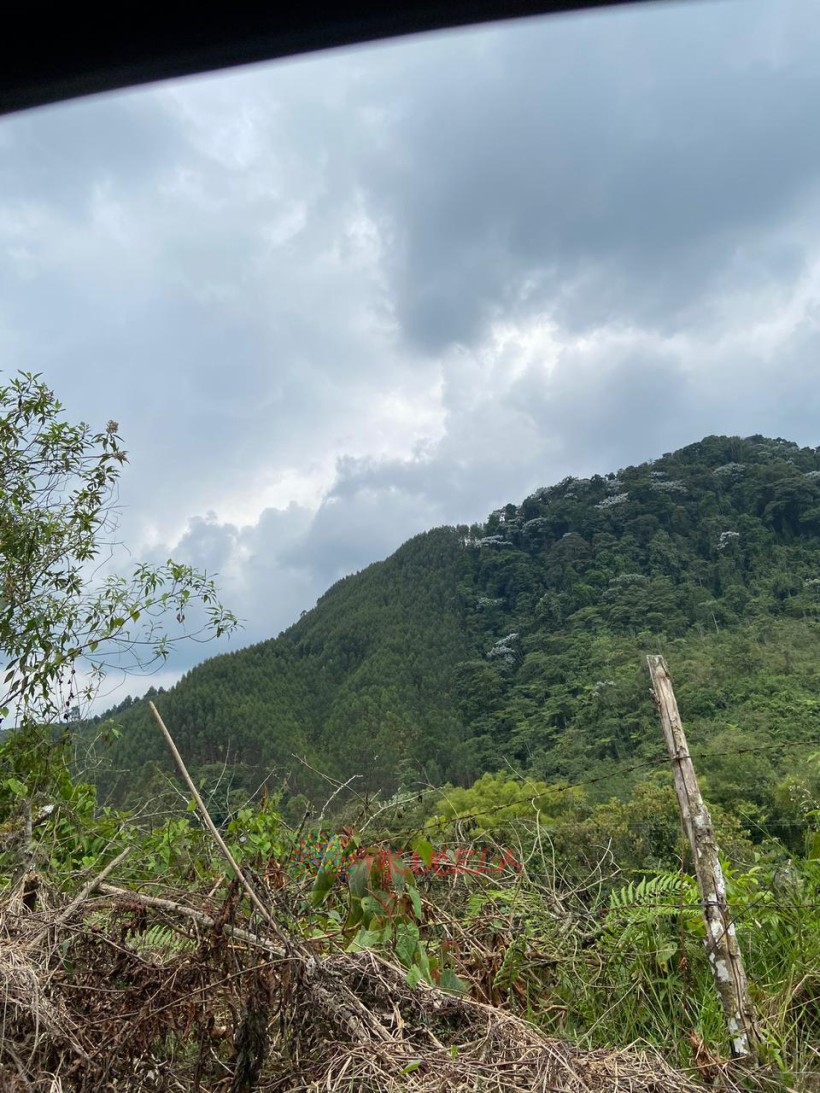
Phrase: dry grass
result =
(104, 1000)
(441, 1043)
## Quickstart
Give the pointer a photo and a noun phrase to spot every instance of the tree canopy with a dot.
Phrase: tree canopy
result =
(520, 642)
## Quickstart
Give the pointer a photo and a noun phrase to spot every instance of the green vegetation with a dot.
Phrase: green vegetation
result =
(520, 645)
(467, 816)
(516, 896)
(59, 629)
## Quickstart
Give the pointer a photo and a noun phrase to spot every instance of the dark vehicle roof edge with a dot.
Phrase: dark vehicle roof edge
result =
(47, 55)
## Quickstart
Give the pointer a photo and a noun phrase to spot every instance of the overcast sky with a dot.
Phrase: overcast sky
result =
(336, 301)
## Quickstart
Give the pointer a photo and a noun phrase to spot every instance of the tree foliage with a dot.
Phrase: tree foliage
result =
(549, 877)
(61, 625)
(521, 642)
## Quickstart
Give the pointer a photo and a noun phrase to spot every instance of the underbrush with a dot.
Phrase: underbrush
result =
(134, 957)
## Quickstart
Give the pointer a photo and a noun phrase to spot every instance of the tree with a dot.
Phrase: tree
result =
(60, 625)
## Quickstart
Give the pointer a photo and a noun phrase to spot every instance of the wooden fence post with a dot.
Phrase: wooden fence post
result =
(721, 939)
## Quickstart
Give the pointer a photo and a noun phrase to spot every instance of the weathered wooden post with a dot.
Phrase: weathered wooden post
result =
(721, 939)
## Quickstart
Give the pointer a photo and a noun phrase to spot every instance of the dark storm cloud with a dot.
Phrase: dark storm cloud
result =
(599, 168)
(585, 403)
(178, 261)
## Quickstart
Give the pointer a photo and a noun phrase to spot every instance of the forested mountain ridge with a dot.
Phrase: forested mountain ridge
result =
(361, 684)
(521, 641)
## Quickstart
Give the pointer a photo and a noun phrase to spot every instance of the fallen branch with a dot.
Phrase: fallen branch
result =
(199, 917)
(80, 899)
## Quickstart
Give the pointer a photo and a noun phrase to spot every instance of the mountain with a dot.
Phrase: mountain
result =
(521, 642)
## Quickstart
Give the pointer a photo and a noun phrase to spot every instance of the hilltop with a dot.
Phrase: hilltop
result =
(520, 642)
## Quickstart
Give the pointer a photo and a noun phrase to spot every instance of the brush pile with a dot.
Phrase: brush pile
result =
(125, 991)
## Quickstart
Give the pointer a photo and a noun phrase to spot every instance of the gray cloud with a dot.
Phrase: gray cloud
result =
(57, 155)
(600, 168)
(337, 301)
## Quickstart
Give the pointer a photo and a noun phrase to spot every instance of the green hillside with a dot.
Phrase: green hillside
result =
(521, 641)
(362, 684)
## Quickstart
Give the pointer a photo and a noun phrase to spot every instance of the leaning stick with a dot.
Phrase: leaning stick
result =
(220, 842)
(361, 1018)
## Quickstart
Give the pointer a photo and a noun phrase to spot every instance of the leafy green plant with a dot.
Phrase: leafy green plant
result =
(255, 834)
(57, 483)
(381, 908)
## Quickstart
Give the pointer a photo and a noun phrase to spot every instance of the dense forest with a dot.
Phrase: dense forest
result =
(519, 645)
(430, 838)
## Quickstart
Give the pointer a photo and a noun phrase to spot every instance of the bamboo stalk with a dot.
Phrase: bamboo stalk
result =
(359, 1019)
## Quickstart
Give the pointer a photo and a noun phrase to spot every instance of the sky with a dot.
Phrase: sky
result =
(336, 301)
